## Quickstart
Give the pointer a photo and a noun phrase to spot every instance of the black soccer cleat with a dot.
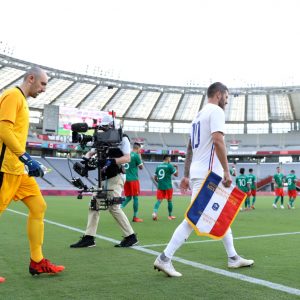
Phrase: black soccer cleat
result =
(86, 241)
(128, 241)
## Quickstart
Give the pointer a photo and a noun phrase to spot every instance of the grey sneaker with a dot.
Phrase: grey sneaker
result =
(166, 267)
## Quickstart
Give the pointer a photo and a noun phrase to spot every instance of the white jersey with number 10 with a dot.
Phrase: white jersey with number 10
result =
(209, 120)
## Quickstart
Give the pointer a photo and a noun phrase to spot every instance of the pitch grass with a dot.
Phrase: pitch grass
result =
(106, 272)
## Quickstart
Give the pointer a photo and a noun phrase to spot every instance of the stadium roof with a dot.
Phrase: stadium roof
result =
(155, 103)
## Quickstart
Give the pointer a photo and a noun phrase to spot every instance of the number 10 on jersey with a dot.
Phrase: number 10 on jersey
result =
(195, 138)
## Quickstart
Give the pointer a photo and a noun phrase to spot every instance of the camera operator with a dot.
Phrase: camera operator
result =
(113, 180)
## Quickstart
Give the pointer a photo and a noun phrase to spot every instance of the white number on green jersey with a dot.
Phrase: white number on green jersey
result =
(161, 174)
(242, 182)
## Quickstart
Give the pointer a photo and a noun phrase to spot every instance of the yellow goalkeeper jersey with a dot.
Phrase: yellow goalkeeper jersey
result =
(14, 108)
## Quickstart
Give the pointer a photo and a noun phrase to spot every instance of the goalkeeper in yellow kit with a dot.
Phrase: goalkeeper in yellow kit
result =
(16, 183)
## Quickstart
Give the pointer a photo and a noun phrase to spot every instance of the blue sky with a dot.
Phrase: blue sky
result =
(190, 42)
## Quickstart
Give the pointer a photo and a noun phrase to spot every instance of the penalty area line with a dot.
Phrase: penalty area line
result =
(268, 284)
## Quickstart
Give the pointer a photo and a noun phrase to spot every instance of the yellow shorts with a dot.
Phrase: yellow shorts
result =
(16, 187)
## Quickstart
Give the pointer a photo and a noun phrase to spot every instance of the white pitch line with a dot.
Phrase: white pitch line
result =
(238, 276)
(102, 237)
(236, 238)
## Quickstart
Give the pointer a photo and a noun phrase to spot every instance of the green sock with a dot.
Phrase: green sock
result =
(135, 205)
(281, 200)
(170, 207)
(247, 202)
(128, 198)
(276, 199)
(156, 206)
(292, 204)
(253, 200)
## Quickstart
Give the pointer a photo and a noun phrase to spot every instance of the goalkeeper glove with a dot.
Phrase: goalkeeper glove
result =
(33, 167)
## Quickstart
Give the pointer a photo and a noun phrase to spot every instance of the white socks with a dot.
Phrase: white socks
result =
(228, 244)
(180, 235)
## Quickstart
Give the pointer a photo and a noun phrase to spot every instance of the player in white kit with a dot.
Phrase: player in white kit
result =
(206, 151)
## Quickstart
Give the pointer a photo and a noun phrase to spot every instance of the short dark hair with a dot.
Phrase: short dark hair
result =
(136, 145)
(250, 170)
(166, 156)
(242, 170)
(216, 87)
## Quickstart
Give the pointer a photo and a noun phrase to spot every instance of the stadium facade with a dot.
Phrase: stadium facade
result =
(261, 121)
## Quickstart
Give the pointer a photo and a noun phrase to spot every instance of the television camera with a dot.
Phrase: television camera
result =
(105, 139)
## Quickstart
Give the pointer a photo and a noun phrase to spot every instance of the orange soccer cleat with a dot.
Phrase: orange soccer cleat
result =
(2, 279)
(136, 219)
(44, 266)
(171, 217)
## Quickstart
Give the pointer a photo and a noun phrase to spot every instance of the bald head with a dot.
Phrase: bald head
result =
(34, 71)
(35, 82)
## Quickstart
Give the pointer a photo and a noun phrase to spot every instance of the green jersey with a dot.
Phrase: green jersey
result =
(242, 183)
(252, 181)
(291, 181)
(278, 177)
(132, 167)
(164, 172)
(232, 172)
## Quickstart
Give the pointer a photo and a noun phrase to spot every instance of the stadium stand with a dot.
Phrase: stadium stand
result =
(149, 102)
(152, 139)
(177, 140)
(258, 119)
(64, 169)
(274, 141)
(55, 88)
(146, 181)
(9, 75)
(59, 177)
(250, 142)
(54, 177)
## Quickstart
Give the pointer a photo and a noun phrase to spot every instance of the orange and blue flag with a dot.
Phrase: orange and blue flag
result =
(214, 207)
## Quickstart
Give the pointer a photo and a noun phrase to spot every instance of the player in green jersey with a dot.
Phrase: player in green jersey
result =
(252, 191)
(232, 170)
(163, 177)
(292, 192)
(132, 184)
(278, 180)
(243, 184)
